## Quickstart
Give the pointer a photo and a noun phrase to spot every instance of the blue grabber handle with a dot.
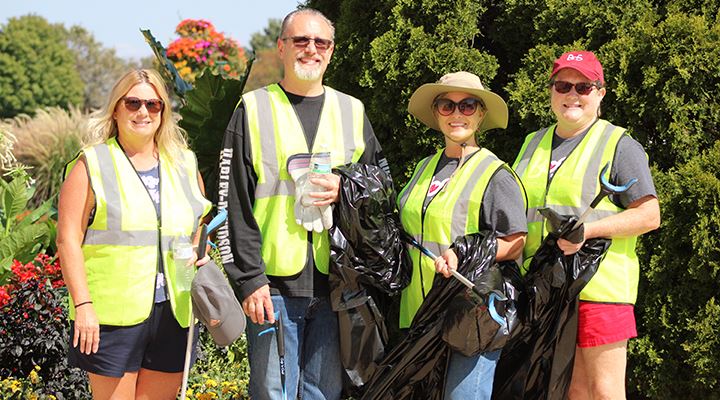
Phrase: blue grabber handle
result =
(211, 227)
(491, 302)
(280, 336)
(219, 219)
(606, 189)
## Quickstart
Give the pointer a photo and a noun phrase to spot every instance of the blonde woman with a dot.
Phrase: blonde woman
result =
(126, 200)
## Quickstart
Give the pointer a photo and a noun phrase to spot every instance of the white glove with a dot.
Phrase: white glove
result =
(326, 216)
(312, 218)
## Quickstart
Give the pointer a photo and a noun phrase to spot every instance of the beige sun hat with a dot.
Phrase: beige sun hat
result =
(421, 102)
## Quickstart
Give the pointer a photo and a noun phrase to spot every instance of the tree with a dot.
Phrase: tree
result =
(99, 67)
(385, 49)
(267, 38)
(36, 67)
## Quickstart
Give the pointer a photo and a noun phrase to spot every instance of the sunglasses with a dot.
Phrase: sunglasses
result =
(133, 104)
(304, 41)
(582, 88)
(467, 106)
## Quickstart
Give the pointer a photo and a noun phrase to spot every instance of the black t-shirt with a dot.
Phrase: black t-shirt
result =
(240, 240)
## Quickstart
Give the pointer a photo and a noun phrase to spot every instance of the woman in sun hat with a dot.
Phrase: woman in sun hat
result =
(559, 167)
(458, 106)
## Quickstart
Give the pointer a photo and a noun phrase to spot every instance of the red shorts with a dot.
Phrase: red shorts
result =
(601, 323)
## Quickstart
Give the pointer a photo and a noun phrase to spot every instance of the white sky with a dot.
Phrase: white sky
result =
(117, 24)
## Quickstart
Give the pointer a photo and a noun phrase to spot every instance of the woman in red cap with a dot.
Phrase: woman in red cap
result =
(559, 166)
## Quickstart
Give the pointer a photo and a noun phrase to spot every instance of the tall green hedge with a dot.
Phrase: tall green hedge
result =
(678, 352)
(663, 77)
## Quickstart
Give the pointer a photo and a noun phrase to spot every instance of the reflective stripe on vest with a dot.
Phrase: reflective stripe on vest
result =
(453, 212)
(120, 247)
(617, 277)
(275, 135)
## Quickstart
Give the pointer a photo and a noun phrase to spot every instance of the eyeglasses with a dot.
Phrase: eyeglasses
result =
(133, 104)
(582, 88)
(304, 41)
(467, 106)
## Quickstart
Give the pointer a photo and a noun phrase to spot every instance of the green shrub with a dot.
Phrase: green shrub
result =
(23, 233)
(34, 329)
(677, 354)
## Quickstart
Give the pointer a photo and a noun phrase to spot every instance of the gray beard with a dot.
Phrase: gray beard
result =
(305, 74)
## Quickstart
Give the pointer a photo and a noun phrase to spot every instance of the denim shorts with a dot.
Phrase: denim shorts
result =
(157, 344)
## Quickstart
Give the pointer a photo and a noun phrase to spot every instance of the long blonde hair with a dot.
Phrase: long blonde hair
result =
(169, 138)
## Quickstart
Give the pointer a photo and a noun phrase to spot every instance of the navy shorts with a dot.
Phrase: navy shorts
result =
(157, 344)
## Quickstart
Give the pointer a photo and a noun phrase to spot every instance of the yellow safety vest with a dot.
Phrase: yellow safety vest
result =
(121, 244)
(570, 192)
(276, 134)
(452, 213)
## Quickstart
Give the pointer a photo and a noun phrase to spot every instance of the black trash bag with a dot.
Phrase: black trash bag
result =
(470, 327)
(416, 367)
(537, 361)
(368, 263)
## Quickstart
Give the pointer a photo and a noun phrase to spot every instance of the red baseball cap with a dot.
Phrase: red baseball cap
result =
(583, 62)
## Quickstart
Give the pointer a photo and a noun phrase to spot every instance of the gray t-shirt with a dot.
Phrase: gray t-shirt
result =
(630, 162)
(503, 207)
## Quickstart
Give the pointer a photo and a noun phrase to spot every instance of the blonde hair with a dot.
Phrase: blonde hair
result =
(169, 138)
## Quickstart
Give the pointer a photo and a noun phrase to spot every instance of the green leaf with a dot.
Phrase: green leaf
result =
(15, 197)
(22, 243)
(168, 70)
(45, 209)
(206, 114)
(5, 269)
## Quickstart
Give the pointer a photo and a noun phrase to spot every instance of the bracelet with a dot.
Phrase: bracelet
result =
(82, 304)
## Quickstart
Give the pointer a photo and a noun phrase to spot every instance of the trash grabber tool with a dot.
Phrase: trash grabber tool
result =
(465, 281)
(188, 346)
(280, 337)
(204, 232)
(606, 189)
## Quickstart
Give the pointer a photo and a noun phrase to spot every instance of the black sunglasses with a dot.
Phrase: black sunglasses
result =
(304, 41)
(133, 104)
(466, 106)
(582, 88)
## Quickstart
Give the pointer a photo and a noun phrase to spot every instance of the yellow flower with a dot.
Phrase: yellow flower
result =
(210, 383)
(37, 368)
(34, 378)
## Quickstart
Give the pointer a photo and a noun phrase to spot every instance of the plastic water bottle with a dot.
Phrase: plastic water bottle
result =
(184, 270)
(320, 164)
